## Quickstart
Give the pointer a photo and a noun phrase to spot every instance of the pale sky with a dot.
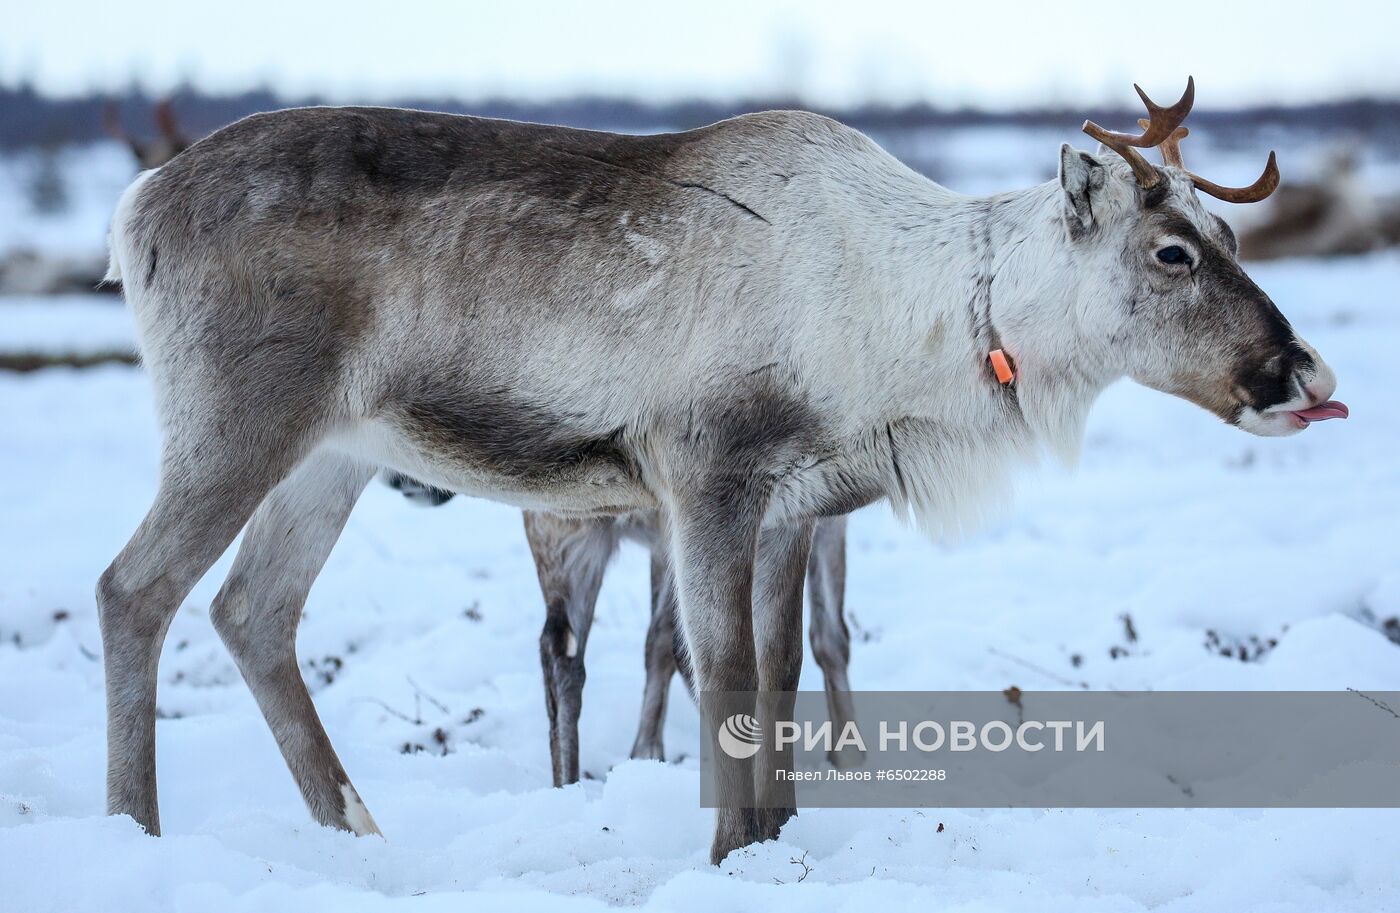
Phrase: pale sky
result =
(991, 54)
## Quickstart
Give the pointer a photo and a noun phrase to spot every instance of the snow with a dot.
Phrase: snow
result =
(66, 324)
(427, 621)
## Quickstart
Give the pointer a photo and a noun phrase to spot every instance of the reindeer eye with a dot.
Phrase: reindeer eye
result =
(1173, 254)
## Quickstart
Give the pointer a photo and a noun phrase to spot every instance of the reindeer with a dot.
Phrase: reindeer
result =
(1336, 214)
(746, 326)
(571, 556)
(169, 142)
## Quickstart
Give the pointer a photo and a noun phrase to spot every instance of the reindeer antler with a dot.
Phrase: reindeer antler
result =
(1261, 188)
(1157, 130)
(1267, 183)
(164, 116)
(1171, 146)
(1162, 128)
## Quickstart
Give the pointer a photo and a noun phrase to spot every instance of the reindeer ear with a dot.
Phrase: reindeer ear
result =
(1081, 178)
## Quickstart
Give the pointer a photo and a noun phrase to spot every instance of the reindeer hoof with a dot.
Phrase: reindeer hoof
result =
(648, 751)
(771, 821)
(735, 828)
(740, 827)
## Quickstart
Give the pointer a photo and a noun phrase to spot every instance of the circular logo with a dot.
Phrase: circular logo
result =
(740, 736)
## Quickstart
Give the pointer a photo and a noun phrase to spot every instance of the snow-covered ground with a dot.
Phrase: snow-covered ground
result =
(420, 641)
(53, 325)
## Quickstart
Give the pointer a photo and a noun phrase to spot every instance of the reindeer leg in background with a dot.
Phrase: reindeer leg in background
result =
(831, 639)
(570, 556)
(660, 659)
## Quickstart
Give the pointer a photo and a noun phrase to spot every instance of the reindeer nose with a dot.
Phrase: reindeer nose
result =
(1320, 387)
(1317, 381)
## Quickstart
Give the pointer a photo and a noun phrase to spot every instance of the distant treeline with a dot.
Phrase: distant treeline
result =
(28, 118)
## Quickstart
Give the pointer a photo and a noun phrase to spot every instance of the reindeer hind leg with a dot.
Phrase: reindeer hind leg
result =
(257, 611)
(211, 482)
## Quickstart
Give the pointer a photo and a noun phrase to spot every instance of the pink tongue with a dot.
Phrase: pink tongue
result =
(1330, 409)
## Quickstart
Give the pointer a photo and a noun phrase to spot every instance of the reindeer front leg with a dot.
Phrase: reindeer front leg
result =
(714, 534)
(777, 599)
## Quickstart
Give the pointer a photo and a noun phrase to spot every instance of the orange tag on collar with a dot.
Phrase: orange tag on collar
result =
(1002, 366)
